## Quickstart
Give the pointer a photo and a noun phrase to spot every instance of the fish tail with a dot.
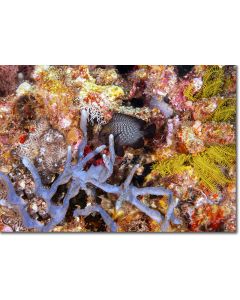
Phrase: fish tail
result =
(149, 131)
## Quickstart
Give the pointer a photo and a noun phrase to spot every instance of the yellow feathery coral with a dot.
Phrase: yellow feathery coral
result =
(226, 110)
(207, 165)
(174, 165)
(208, 172)
(213, 80)
(222, 155)
(189, 93)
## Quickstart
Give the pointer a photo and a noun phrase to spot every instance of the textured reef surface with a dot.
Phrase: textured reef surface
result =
(118, 148)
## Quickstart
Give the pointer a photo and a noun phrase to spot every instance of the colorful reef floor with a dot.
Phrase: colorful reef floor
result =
(122, 148)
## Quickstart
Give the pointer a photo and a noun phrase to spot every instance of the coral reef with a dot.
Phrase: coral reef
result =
(57, 176)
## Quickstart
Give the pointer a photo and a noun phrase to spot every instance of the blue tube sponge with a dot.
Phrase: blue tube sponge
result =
(79, 179)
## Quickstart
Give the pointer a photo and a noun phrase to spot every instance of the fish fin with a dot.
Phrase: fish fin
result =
(150, 131)
(138, 144)
(119, 150)
(118, 147)
(141, 122)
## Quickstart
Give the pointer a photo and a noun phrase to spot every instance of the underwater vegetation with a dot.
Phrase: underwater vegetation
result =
(135, 148)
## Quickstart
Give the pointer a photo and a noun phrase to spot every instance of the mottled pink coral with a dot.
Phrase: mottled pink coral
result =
(177, 98)
(160, 81)
(26, 70)
(8, 79)
(194, 137)
(204, 109)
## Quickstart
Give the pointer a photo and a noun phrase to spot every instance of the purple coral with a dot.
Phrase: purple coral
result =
(79, 179)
